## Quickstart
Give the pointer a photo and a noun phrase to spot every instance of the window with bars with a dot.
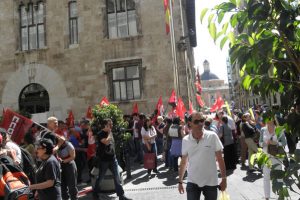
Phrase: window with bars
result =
(73, 22)
(125, 81)
(121, 18)
(32, 26)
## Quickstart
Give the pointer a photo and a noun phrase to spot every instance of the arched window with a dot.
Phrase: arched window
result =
(34, 98)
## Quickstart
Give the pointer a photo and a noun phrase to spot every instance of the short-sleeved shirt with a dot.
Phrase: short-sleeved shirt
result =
(49, 170)
(64, 151)
(105, 152)
(202, 167)
(150, 132)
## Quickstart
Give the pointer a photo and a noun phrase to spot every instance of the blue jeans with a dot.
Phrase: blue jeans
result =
(193, 192)
(138, 149)
(113, 166)
(159, 145)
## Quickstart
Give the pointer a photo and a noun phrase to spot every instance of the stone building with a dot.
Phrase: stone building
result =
(212, 86)
(61, 55)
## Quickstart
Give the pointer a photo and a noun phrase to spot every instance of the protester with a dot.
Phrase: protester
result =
(12, 148)
(167, 142)
(269, 137)
(3, 151)
(242, 143)
(48, 177)
(107, 159)
(226, 137)
(249, 132)
(66, 155)
(149, 134)
(200, 150)
(159, 130)
(137, 138)
(176, 133)
(29, 144)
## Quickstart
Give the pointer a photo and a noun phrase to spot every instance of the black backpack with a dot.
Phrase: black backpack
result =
(28, 165)
(14, 184)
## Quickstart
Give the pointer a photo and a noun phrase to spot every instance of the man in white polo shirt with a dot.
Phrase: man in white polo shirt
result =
(200, 150)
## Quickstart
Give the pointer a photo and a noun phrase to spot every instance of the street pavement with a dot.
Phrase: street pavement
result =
(241, 186)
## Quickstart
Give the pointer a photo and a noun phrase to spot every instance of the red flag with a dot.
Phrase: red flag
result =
(135, 108)
(198, 83)
(89, 113)
(173, 99)
(70, 120)
(167, 16)
(180, 109)
(91, 150)
(191, 107)
(160, 106)
(200, 101)
(217, 105)
(104, 102)
(16, 125)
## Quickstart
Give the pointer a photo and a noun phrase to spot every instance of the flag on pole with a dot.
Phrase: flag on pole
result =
(89, 113)
(70, 121)
(180, 108)
(15, 124)
(167, 15)
(160, 107)
(104, 102)
(228, 108)
(173, 99)
(135, 109)
(217, 105)
(200, 101)
(191, 107)
(198, 83)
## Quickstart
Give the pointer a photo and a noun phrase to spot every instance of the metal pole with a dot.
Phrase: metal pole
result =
(173, 45)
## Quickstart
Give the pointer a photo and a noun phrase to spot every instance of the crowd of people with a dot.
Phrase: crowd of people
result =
(197, 141)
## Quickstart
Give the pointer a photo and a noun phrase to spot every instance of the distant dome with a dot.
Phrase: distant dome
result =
(207, 75)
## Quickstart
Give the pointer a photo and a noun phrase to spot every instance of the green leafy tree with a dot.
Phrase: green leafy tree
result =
(119, 125)
(264, 42)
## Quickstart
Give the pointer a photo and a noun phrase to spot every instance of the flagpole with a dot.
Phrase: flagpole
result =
(185, 53)
(173, 46)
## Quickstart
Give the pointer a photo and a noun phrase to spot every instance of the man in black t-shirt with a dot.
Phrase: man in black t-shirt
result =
(107, 159)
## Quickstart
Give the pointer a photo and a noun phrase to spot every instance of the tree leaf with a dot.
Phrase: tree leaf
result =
(223, 41)
(231, 37)
(224, 28)
(220, 16)
(212, 30)
(210, 18)
(203, 13)
(251, 41)
(247, 82)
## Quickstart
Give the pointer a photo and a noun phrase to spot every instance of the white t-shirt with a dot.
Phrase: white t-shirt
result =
(202, 167)
(135, 130)
(151, 132)
(231, 123)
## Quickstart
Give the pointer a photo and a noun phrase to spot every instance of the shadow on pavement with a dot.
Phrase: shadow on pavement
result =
(252, 177)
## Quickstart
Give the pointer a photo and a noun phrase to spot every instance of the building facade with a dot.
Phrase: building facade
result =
(212, 86)
(61, 55)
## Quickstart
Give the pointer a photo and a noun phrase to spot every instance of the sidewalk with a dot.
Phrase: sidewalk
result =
(241, 186)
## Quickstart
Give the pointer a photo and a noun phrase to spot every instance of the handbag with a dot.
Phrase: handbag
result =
(149, 160)
(274, 149)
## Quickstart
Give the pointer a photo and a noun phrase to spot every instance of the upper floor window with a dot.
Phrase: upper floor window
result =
(125, 80)
(73, 22)
(121, 18)
(32, 26)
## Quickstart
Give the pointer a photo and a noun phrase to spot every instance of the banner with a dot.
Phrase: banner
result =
(104, 102)
(16, 125)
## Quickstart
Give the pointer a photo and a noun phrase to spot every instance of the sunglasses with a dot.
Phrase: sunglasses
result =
(197, 121)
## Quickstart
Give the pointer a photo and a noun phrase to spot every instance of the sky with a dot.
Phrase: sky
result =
(206, 48)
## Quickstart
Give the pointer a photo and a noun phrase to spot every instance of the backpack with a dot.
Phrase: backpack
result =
(14, 184)
(28, 165)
